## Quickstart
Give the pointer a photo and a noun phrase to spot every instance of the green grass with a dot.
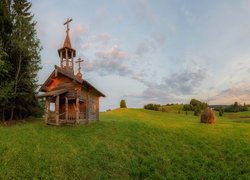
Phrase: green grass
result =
(172, 108)
(125, 144)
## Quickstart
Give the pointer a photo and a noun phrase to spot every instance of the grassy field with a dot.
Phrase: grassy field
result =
(129, 143)
(172, 108)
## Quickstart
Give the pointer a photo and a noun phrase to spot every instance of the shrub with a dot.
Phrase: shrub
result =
(221, 111)
(123, 104)
(155, 107)
(196, 106)
(197, 111)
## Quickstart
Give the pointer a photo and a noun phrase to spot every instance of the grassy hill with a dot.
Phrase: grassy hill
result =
(128, 143)
(172, 108)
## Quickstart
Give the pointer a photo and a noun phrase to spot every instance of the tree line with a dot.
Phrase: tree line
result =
(195, 105)
(236, 107)
(19, 60)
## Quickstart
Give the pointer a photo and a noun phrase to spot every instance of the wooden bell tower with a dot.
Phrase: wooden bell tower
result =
(67, 53)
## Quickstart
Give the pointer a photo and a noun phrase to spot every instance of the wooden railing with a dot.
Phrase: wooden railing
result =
(82, 115)
(62, 116)
(72, 116)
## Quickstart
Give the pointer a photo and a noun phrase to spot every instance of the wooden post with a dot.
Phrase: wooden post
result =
(97, 108)
(67, 59)
(47, 104)
(61, 56)
(66, 109)
(87, 106)
(77, 107)
(72, 60)
(57, 109)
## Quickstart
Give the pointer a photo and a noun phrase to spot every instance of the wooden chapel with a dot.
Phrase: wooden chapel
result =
(69, 98)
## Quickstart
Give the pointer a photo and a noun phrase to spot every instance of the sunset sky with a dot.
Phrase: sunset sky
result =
(159, 51)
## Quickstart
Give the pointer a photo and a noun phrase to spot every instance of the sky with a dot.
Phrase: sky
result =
(152, 51)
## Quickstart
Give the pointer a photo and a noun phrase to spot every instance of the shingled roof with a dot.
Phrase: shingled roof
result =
(71, 76)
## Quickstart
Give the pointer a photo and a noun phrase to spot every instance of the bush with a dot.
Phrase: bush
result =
(197, 111)
(221, 111)
(123, 104)
(196, 106)
(155, 107)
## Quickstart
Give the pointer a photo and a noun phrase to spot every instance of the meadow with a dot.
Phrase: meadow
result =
(129, 144)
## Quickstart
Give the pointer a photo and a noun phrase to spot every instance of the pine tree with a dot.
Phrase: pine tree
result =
(5, 65)
(22, 49)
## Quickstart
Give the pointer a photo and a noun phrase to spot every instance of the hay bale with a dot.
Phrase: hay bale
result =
(208, 116)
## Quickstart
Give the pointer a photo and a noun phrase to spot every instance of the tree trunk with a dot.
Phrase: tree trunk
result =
(15, 87)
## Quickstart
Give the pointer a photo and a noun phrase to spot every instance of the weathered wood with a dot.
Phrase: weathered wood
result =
(61, 56)
(47, 107)
(56, 73)
(67, 59)
(97, 108)
(87, 106)
(57, 110)
(66, 109)
(77, 106)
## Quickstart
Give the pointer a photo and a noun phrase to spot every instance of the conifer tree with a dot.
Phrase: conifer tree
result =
(22, 59)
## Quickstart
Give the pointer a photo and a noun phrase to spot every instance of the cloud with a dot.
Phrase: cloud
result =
(80, 29)
(238, 92)
(151, 44)
(95, 42)
(113, 53)
(145, 11)
(178, 87)
(111, 61)
(104, 37)
(155, 95)
(185, 82)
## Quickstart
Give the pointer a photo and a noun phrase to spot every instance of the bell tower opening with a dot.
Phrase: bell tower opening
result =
(67, 53)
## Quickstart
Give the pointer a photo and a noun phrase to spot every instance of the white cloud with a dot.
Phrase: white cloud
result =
(237, 92)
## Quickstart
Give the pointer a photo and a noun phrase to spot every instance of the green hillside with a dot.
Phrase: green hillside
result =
(128, 143)
(171, 108)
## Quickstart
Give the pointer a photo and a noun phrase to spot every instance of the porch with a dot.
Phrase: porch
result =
(72, 119)
(61, 109)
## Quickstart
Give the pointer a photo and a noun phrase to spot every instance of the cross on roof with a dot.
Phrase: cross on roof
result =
(67, 23)
(79, 64)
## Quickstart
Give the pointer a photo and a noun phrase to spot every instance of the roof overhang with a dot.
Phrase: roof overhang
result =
(53, 93)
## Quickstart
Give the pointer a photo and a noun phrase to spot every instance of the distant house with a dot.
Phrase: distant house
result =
(69, 98)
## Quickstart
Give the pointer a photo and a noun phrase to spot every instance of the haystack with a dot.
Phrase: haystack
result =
(208, 116)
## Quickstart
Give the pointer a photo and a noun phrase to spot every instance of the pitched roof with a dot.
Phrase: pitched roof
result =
(71, 76)
(67, 45)
(67, 42)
